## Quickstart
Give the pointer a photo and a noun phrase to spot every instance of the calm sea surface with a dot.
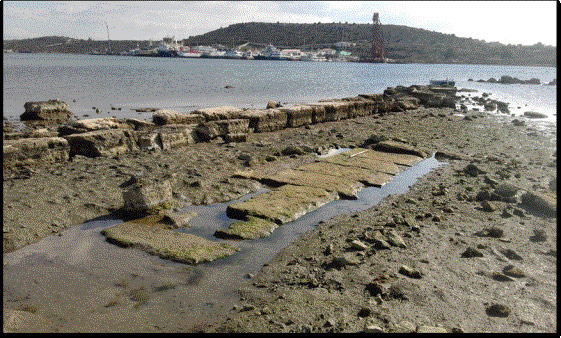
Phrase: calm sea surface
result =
(87, 81)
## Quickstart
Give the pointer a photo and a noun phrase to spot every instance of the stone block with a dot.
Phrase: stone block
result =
(176, 135)
(43, 149)
(252, 228)
(213, 129)
(219, 113)
(145, 196)
(167, 116)
(105, 142)
(52, 110)
(265, 120)
(298, 116)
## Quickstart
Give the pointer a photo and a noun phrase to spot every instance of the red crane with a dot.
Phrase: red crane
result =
(378, 52)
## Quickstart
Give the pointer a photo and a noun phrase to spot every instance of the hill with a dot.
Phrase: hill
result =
(403, 44)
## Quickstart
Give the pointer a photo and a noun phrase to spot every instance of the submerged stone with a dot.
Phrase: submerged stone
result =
(166, 243)
(252, 228)
(281, 205)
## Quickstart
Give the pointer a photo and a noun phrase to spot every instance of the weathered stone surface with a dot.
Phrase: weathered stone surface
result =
(372, 160)
(166, 243)
(399, 147)
(281, 205)
(144, 195)
(539, 203)
(252, 228)
(346, 188)
(235, 137)
(176, 135)
(43, 149)
(265, 120)
(332, 111)
(219, 113)
(177, 220)
(298, 116)
(52, 110)
(100, 123)
(25, 321)
(105, 142)
(140, 125)
(149, 141)
(210, 130)
(362, 175)
(401, 159)
(167, 116)
(431, 329)
(498, 310)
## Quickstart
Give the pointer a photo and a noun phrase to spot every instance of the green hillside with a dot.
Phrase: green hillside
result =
(403, 44)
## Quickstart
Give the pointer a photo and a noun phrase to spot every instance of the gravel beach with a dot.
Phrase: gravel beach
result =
(471, 247)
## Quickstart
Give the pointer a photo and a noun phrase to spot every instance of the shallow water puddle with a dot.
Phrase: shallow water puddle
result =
(73, 277)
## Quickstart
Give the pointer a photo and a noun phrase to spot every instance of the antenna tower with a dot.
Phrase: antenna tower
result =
(378, 52)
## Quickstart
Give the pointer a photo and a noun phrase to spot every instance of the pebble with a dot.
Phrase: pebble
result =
(403, 326)
(511, 254)
(395, 239)
(501, 277)
(371, 328)
(539, 236)
(498, 310)
(409, 272)
(488, 206)
(471, 252)
(359, 245)
(514, 271)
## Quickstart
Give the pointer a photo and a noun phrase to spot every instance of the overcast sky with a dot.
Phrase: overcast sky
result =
(515, 22)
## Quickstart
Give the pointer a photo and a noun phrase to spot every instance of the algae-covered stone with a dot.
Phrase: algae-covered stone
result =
(345, 187)
(397, 158)
(370, 163)
(166, 243)
(363, 175)
(281, 205)
(251, 228)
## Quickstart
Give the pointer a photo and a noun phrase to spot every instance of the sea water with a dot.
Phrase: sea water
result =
(117, 85)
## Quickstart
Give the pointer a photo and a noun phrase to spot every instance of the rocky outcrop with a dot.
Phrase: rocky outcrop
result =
(52, 110)
(534, 115)
(31, 151)
(298, 116)
(265, 120)
(175, 135)
(105, 142)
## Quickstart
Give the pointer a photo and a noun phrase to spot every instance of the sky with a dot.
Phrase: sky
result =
(507, 22)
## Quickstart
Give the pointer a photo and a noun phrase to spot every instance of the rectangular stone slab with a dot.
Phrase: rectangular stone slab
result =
(346, 188)
(252, 228)
(363, 175)
(370, 163)
(168, 244)
(281, 205)
(397, 158)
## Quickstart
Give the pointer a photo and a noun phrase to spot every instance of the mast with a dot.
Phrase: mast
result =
(108, 41)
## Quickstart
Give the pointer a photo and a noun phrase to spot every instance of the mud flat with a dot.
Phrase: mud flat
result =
(471, 247)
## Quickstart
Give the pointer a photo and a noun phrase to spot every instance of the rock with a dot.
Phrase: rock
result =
(473, 170)
(178, 220)
(359, 245)
(373, 328)
(344, 260)
(35, 150)
(471, 252)
(518, 123)
(395, 239)
(106, 142)
(146, 196)
(251, 228)
(506, 190)
(298, 116)
(514, 271)
(488, 206)
(501, 277)
(265, 120)
(52, 110)
(511, 254)
(540, 203)
(380, 241)
(213, 129)
(431, 329)
(539, 236)
(219, 113)
(535, 115)
(273, 104)
(409, 272)
(498, 310)
(25, 321)
(99, 123)
(491, 232)
(235, 137)
(403, 326)
(399, 147)
(176, 135)
(293, 150)
(166, 116)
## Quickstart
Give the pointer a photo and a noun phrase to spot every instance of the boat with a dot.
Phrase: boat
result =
(191, 53)
(442, 83)
(269, 53)
(233, 54)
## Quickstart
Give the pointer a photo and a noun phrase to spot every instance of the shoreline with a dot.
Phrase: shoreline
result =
(271, 304)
